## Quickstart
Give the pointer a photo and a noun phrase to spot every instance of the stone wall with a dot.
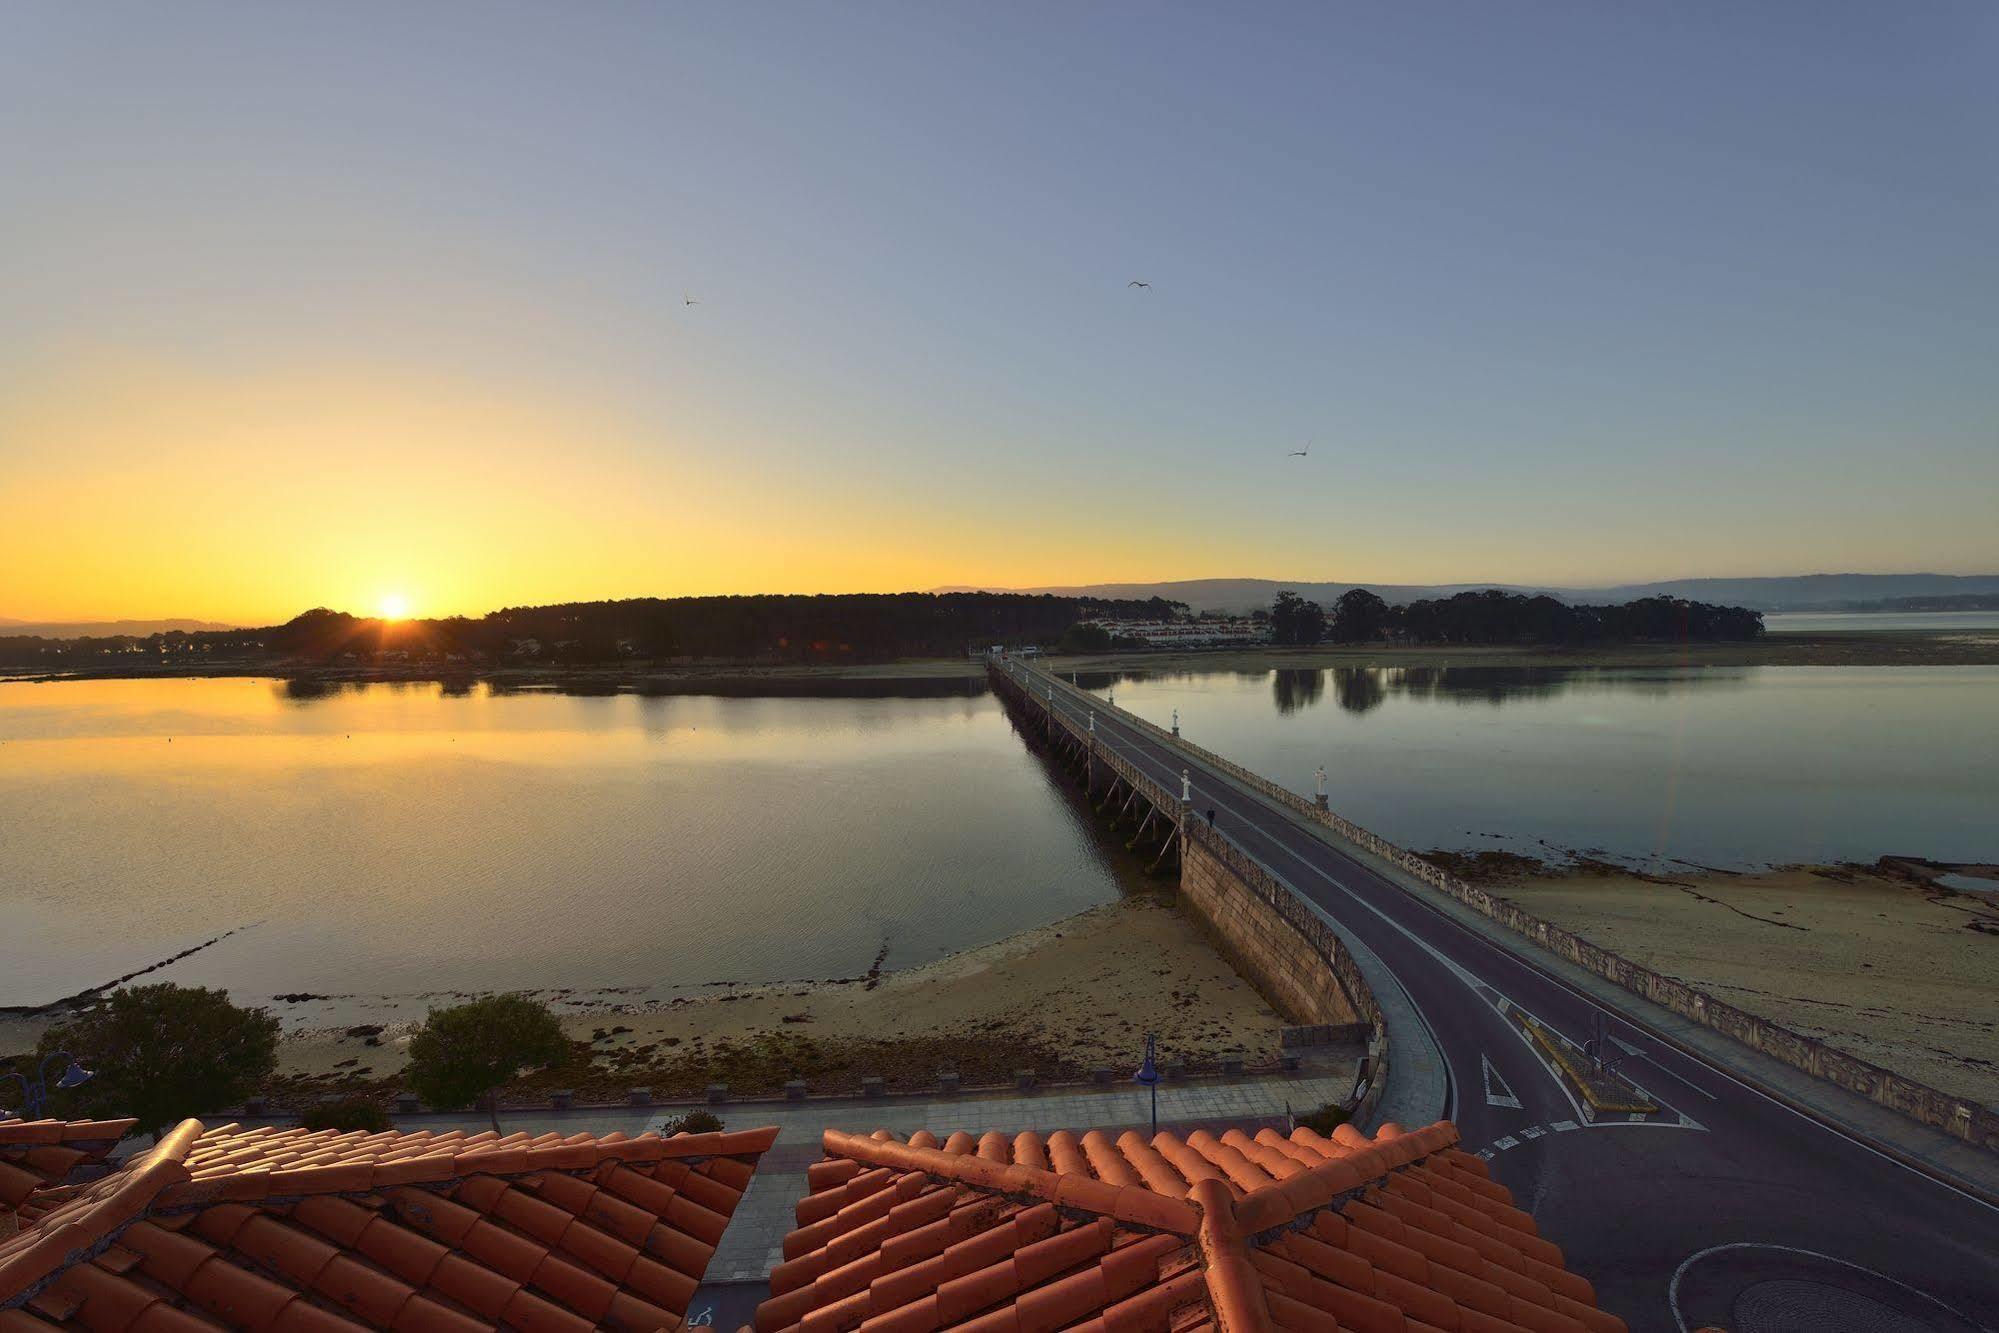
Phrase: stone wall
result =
(1290, 967)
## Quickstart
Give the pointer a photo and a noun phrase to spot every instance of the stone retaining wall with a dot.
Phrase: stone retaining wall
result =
(1966, 1120)
(1293, 958)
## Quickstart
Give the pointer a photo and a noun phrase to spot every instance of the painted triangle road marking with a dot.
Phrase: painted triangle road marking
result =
(1496, 1091)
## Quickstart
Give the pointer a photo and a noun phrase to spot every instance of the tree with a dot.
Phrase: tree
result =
(162, 1053)
(1080, 638)
(470, 1050)
(1294, 620)
(1360, 616)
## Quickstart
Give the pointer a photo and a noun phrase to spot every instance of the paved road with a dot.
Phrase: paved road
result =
(1728, 1208)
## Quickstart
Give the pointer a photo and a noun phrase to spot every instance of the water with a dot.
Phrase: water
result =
(394, 840)
(1881, 622)
(1735, 767)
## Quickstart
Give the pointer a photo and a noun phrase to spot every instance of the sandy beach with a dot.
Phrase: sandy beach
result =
(1060, 1000)
(1895, 971)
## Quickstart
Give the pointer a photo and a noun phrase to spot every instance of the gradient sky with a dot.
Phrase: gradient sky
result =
(314, 304)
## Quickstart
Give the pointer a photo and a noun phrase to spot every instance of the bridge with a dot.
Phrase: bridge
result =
(1731, 1201)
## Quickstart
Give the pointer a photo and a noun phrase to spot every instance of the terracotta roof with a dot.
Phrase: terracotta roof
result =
(38, 1155)
(325, 1232)
(1026, 1234)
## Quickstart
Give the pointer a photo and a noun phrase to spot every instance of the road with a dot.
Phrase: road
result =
(1728, 1207)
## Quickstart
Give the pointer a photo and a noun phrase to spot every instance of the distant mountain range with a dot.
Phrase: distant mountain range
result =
(1802, 592)
(102, 629)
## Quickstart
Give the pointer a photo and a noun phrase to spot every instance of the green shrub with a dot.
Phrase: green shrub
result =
(1325, 1119)
(693, 1122)
(350, 1114)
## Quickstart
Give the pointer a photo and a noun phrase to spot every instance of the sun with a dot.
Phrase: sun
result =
(393, 606)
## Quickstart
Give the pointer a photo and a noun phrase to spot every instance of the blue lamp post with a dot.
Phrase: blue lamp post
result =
(1148, 1074)
(36, 1090)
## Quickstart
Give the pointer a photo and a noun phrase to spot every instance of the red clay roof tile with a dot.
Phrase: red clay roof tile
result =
(1237, 1231)
(324, 1232)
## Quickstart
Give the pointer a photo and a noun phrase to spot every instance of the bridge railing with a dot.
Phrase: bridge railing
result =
(1342, 973)
(1958, 1116)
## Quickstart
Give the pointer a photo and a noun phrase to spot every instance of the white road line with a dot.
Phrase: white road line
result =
(1508, 1142)
(1562, 1126)
(1697, 1061)
(1491, 1077)
(1533, 1131)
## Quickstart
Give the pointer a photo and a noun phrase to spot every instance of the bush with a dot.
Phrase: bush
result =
(1325, 1119)
(693, 1122)
(470, 1050)
(162, 1053)
(346, 1116)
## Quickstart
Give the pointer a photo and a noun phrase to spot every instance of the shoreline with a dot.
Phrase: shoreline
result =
(959, 675)
(1887, 961)
(1060, 999)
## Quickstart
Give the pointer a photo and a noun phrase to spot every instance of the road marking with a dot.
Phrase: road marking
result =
(1673, 1287)
(1533, 1131)
(1486, 1154)
(1508, 1142)
(1562, 1126)
(1496, 1091)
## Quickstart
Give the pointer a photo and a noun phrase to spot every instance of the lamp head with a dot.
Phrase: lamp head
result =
(72, 1075)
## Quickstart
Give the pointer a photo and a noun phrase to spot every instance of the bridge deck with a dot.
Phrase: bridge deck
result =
(1628, 1198)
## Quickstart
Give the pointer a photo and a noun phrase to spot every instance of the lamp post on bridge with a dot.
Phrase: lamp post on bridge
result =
(1176, 722)
(1093, 721)
(1186, 788)
(1321, 778)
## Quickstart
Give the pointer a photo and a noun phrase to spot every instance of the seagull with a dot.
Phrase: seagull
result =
(1146, 285)
(1306, 452)
(685, 299)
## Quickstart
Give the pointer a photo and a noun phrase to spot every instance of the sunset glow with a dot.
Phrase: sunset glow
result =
(393, 606)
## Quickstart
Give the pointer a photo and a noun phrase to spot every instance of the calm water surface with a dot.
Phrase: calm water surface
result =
(1735, 767)
(393, 840)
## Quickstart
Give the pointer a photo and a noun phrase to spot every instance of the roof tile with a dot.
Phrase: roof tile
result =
(324, 1232)
(1237, 1231)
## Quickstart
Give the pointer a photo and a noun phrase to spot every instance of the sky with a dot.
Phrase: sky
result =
(331, 305)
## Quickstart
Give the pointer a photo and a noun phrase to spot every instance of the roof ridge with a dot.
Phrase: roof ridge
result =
(253, 1181)
(1135, 1205)
(95, 1215)
(1284, 1201)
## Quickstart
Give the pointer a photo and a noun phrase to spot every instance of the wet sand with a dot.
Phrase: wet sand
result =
(1061, 1000)
(1895, 971)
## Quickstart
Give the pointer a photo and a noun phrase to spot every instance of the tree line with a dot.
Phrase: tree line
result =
(1492, 616)
(821, 628)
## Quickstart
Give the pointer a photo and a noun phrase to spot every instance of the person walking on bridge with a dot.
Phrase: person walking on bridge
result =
(1211, 817)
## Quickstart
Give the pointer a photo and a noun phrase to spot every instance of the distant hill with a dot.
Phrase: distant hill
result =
(103, 629)
(1803, 592)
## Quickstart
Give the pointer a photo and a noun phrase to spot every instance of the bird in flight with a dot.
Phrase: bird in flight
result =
(1306, 452)
(1146, 285)
(685, 299)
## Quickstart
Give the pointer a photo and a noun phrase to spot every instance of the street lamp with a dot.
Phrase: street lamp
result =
(36, 1090)
(1148, 1074)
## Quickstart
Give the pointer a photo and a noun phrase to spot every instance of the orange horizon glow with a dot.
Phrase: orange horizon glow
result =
(141, 489)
